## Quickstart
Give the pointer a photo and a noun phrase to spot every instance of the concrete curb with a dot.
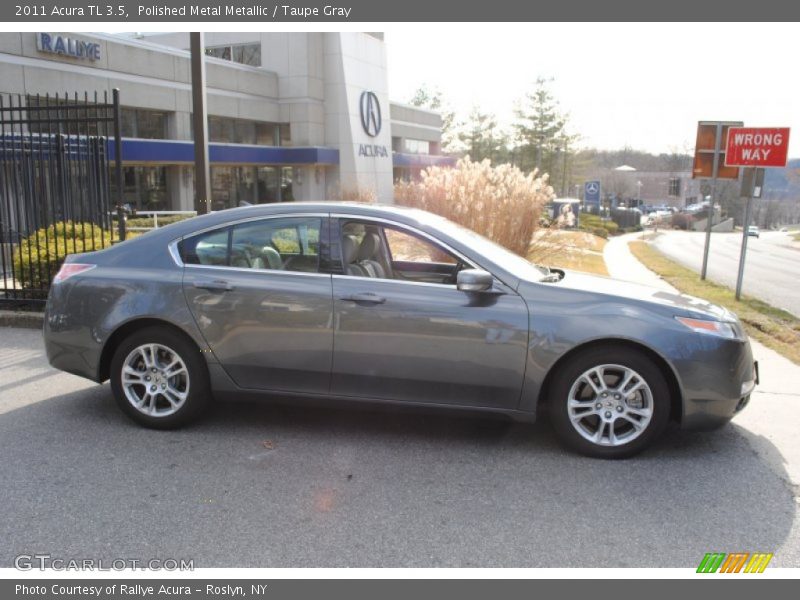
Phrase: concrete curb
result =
(27, 320)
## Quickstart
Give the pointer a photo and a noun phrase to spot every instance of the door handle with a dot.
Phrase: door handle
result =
(218, 285)
(365, 297)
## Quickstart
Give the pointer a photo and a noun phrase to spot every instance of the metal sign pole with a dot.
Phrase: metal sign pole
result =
(709, 223)
(753, 178)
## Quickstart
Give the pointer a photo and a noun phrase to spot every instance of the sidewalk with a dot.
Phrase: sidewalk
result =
(773, 416)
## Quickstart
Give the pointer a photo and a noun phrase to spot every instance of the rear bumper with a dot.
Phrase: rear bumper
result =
(70, 348)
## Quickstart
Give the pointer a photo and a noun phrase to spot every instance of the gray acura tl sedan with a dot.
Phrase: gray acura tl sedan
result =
(384, 304)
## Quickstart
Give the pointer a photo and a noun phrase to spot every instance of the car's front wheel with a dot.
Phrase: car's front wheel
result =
(159, 379)
(609, 402)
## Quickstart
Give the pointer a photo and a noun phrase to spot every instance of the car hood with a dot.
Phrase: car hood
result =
(626, 290)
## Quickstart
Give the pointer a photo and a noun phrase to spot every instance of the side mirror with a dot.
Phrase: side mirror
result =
(474, 280)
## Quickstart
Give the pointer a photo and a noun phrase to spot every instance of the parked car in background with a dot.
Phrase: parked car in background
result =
(753, 231)
(366, 303)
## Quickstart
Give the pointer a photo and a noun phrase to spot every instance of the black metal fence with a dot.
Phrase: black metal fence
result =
(56, 184)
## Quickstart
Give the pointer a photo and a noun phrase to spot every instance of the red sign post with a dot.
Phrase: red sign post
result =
(757, 147)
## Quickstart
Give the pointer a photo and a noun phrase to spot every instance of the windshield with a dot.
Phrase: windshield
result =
(513, 263)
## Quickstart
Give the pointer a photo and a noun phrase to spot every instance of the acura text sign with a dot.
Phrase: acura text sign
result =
(757, 146)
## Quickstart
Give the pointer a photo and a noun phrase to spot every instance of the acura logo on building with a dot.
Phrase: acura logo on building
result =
(370, 113)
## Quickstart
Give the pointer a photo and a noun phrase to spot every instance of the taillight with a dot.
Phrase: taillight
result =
(67, 270)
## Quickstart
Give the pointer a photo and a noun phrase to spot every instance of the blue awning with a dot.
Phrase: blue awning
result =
(182, 151)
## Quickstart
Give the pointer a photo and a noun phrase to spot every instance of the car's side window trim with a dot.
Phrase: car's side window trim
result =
(401, 281)
(173, 246)
(341, 219)
(257, 271)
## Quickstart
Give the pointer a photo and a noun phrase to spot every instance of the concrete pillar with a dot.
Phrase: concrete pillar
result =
(181, 187)
(365, 157)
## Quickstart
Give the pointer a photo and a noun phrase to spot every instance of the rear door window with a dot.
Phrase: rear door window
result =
(283, 244)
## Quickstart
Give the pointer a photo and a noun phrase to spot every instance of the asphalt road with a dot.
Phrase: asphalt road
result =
(772, 266)
(364, 488)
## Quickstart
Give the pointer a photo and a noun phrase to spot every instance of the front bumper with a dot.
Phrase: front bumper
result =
(712, 412)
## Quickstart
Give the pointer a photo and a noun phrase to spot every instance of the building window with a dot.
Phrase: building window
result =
(145, 188)
(267, 134)
(221, 52)
(417, 146)
(142, 123)
(254, 185)
(675, 186)
(220, 129)
(239, 131)
(245, 54)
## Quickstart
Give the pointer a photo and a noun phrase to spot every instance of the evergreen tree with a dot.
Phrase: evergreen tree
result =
(480, 138)
(540, 130)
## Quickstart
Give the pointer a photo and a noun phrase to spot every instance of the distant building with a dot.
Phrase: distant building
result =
(625, 186)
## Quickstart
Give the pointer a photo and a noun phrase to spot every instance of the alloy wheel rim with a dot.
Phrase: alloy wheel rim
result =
(155, 380)
(610, 405)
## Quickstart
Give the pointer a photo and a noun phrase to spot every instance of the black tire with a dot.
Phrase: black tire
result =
(197, 385)
(569, 374)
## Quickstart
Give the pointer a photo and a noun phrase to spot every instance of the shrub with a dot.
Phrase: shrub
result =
(41, 254)
(355, 194)
(591, 222)
(500, 202)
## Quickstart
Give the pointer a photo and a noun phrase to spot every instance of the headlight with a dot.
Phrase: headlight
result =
(718, 328)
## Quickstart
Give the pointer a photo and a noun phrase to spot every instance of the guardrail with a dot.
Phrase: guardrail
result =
(155, 214)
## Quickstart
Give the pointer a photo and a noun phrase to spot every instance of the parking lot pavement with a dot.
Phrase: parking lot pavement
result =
(269, 485)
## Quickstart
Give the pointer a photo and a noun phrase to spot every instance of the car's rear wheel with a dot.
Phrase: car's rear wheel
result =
(609, 402)
(159, 379)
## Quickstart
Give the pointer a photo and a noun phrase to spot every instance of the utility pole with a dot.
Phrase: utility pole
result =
(710, 163)
(712, 199)
(752, 184)
(202, 177)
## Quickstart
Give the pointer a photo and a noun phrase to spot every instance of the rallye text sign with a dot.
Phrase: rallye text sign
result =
(54, 43)
(757, 146)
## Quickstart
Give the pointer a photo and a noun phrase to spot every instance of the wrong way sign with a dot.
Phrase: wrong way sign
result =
(757, 147)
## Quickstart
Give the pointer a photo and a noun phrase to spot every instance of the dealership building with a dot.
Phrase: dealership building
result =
(291, 116)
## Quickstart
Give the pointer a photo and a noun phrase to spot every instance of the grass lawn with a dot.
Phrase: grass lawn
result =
(575, 250)
(773, 327)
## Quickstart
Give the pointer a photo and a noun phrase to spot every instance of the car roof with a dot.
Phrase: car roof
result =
(220, 218)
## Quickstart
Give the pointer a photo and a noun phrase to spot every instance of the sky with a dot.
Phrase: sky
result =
(633, 84)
